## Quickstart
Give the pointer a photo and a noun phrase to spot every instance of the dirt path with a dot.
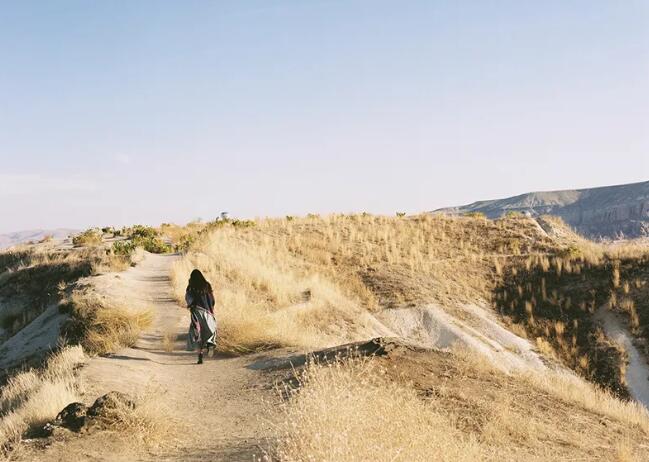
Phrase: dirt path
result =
(224, 406)
(637, 372)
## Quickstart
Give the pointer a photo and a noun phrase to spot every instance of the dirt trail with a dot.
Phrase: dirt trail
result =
(223, 404)
(637, 371)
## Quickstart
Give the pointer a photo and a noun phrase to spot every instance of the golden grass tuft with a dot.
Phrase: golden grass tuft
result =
(346, 411)
(169, 337)
(102, 326)
(32, 398)
(148, 425)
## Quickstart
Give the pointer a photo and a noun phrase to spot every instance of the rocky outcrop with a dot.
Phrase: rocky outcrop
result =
(606, 212)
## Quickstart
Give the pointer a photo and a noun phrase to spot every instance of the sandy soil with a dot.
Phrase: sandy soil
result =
(222, 408)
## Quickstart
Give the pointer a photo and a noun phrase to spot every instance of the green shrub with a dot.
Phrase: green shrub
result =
(124, 248)
(401, 214)
(152, 244)
(143, 232)
(185, 242)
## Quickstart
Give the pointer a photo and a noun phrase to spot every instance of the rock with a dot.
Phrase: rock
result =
(611, 212)
(73, 416)
(105, 405)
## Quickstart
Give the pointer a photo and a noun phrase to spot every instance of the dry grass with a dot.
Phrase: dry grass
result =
(169, 337)
(567, 387)
(34, 277)
(101, 326)
(431, 406)
(314, 281)
(148, 425)
(32, 398)
(554, 299)
(347, 411)
(573, 390)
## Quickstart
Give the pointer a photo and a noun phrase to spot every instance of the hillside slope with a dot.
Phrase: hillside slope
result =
(33, 235)
(471, 326)
(610, 211)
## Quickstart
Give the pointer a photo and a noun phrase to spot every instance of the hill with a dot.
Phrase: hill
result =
(33, 235)
(485, 339)
(608, 212)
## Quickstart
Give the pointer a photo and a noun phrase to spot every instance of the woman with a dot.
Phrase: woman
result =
(200, 301)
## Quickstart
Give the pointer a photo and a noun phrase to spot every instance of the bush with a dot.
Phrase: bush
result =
(146, 232)
(185, 243)
(101, 327)
(88, 238)
(124, 248)
(152, 244)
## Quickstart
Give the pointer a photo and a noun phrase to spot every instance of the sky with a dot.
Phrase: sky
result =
(122, 112)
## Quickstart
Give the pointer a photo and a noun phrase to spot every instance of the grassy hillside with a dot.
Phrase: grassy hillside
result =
(324, 281)
(312, 281)
(309, 281)
(406, 404)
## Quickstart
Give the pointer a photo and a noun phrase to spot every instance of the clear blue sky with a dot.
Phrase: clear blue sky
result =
(115, 112)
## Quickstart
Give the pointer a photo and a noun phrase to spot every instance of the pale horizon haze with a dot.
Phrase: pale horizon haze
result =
(116, 112)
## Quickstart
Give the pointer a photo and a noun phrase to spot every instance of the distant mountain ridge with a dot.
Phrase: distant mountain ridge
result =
(603, 212)
(33, 235)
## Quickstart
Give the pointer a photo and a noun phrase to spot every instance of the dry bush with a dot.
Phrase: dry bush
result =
(346, 411)
(88, 238)
(100, 325)
(32, 398)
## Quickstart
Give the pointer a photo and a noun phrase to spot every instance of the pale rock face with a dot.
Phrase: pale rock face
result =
(606, 212)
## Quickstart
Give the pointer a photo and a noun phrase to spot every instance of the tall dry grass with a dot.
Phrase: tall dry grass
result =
(32, 398)
(315, 281)
(347, 411)
(401, 409)
(102, 326)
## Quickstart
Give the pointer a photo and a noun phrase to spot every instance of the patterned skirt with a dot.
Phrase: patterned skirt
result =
(202, 330)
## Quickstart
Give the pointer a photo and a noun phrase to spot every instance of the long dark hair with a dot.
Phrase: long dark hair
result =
(198, 284)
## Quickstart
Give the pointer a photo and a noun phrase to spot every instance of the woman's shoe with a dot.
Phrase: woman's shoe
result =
(200, 359)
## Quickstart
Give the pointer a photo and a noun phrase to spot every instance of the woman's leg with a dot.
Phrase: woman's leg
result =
(200, 353)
